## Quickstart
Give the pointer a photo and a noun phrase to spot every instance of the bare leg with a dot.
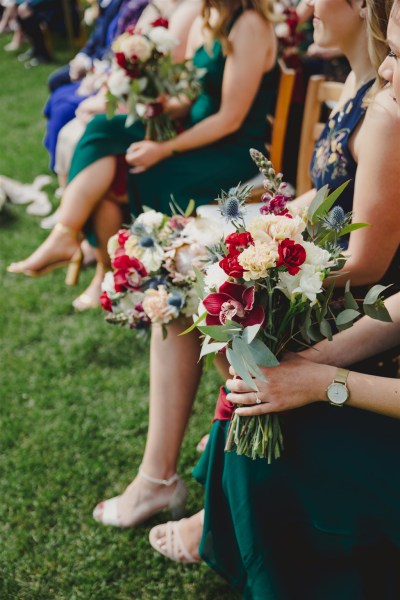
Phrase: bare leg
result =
(107, 219)
(80, 199)
(175, 374)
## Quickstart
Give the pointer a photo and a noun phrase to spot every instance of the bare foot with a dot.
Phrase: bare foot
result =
(58, 248)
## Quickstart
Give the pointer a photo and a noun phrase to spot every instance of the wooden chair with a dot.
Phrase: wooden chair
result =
(278, 123)
(319, 93)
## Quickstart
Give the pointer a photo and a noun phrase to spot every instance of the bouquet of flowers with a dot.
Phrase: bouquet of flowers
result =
(266, 293)
(143, 72)
(154, 264)
(293, 38)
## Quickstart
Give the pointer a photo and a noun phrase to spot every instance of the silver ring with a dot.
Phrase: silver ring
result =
(258, 401)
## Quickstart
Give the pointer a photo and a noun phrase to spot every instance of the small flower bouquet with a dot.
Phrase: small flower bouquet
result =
(143, 72)
(265, 294)
(154, 264)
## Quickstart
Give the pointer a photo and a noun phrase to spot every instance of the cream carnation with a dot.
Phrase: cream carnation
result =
(281, 227)
(136, 46)
(116, 45)
(258, 259)
(258, 228)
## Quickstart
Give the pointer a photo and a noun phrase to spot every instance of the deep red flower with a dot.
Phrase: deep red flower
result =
(233, 302)
(126, 263)
(130, 30)
(154, 109)
(160, 22)
(231, 266)
(121, 61)
(291, 255)
(236, 242)
(106, 302)
(128, 272)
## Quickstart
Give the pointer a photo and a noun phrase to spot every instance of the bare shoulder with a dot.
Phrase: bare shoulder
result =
(252, 23)
(381, 125)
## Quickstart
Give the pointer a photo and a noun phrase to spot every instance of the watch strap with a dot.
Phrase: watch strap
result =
(341, 376)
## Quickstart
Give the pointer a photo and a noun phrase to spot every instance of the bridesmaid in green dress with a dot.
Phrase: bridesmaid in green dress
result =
(323, 521)
(228, 118)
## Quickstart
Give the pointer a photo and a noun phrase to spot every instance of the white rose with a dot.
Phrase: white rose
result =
(163, 39)
(215, 277)
(282, 30)
(202, 231)
(138, 46)
(150, 220)
(317, 256)
(307, 282)
(119, 83)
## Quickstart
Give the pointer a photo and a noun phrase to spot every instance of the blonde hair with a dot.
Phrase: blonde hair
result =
(378, 12)
(226, 8)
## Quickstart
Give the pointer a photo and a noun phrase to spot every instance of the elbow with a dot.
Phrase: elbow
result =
(232, 124)
(360, 275)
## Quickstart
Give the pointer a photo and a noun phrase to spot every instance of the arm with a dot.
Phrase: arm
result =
(376, 194)
(298, 382)
(251, 36)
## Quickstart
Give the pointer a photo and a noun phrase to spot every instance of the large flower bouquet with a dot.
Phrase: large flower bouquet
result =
(266, 293)
(143, 72)
(154, 264)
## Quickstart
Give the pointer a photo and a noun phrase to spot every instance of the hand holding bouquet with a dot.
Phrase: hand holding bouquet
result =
(266, 293)
(143, 72)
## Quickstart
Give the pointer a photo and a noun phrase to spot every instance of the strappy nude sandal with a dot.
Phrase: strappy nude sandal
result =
(107, 513)
(174, 548)
(74, 263)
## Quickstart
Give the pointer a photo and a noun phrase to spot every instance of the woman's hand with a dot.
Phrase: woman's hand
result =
(143, 155)
(294, 383)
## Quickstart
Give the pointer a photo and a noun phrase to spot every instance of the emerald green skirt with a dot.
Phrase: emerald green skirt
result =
(320, 523)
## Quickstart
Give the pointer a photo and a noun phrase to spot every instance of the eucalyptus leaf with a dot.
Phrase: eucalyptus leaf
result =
(240, 347)
(219, 333)
(262, 354)
(213, 347)
(377, 311)
(326, 329)
(374, 293)
(346, 316)
(250, 332)
(239, 367)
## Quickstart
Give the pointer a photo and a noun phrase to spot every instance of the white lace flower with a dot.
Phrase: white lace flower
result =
(163, 39)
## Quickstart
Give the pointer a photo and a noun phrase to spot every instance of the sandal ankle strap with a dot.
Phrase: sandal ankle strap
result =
(166, 482)
(66, 230)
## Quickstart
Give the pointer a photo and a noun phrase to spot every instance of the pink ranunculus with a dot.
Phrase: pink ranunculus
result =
(233, 302)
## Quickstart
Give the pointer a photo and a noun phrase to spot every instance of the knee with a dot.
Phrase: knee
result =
(24, 11)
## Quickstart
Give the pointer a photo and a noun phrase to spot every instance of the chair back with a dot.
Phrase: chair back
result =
(279, 122)
(319, 93)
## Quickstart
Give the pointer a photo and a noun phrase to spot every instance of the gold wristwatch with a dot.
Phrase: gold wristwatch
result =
(338, 392)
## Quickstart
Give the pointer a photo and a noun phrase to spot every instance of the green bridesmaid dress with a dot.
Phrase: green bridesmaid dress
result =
(200, 173)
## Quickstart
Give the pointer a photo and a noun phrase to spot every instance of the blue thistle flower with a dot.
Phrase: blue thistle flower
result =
(176, 300)
(231, 204)
(336, 219)
(154, 282)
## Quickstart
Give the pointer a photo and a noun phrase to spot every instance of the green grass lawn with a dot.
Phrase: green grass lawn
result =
(73, 412)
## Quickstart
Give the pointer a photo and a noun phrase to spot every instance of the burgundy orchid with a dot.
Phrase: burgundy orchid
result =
(233, 302)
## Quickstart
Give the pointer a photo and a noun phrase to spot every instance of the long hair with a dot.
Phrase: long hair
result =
(378, 12)
(226, 8)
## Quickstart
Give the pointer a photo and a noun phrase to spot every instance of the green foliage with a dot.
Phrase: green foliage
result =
(73, 412)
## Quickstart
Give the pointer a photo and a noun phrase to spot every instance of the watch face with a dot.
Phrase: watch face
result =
(337, 393)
